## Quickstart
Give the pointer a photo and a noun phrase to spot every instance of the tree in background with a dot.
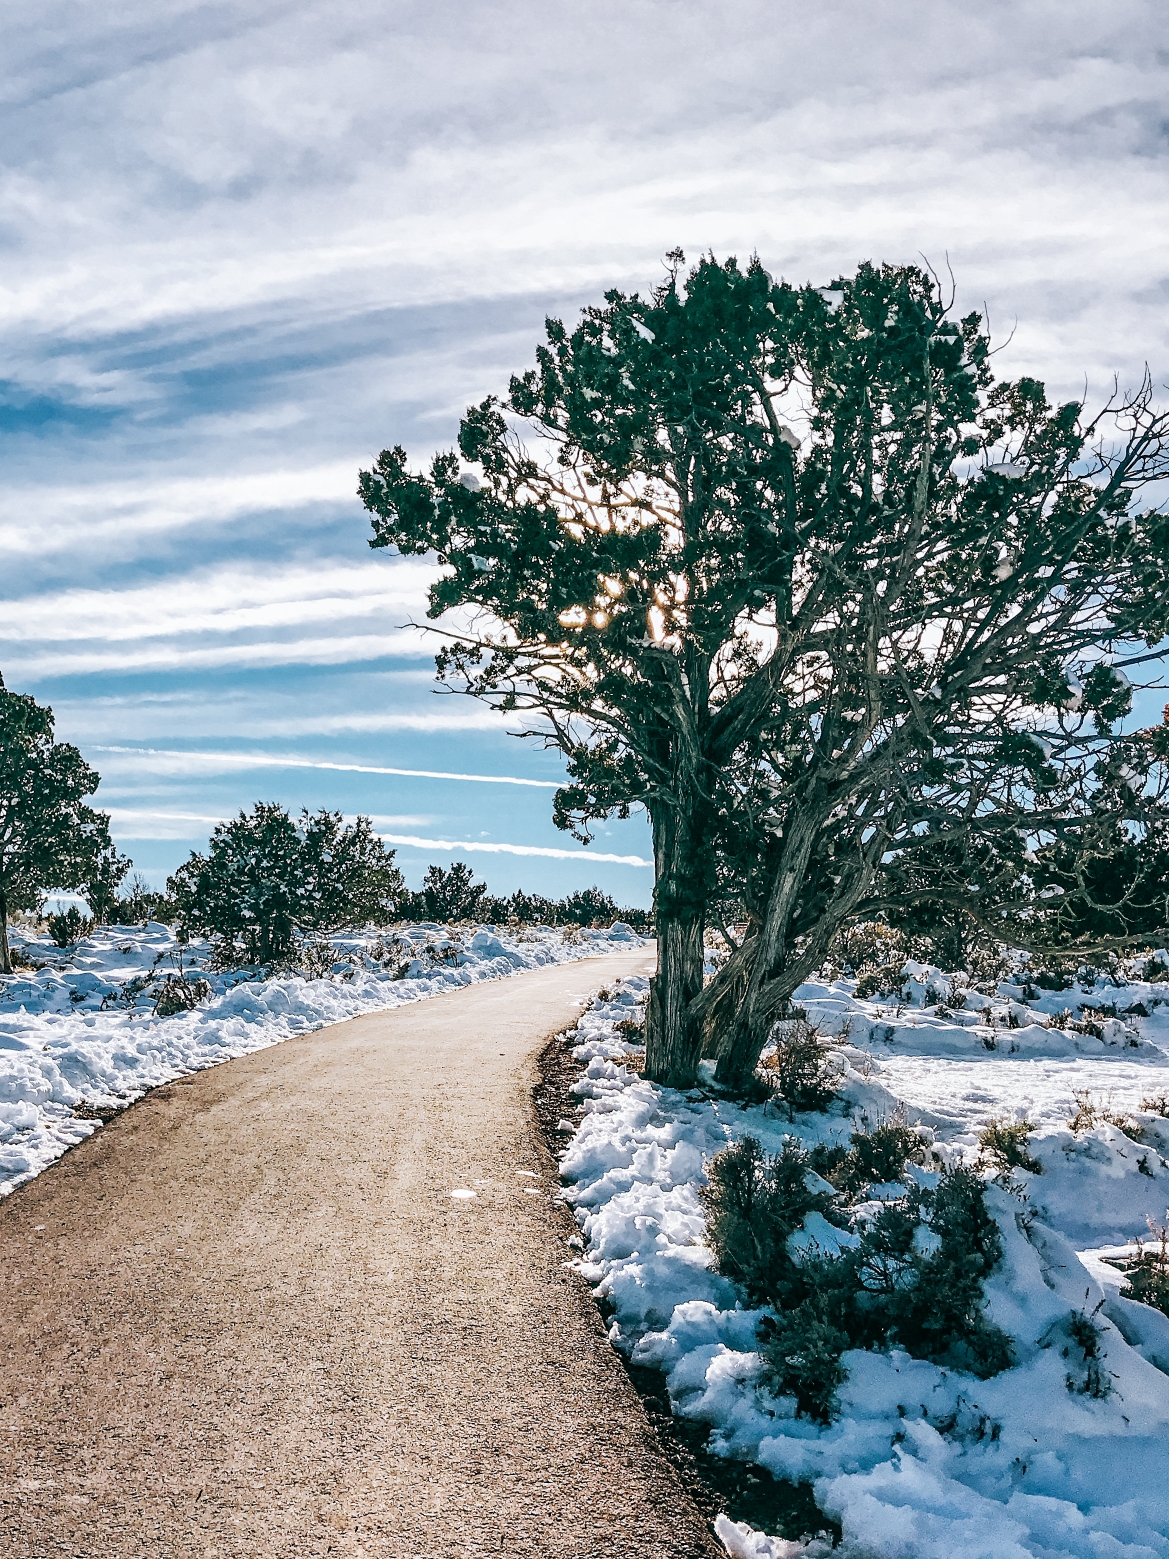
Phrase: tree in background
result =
(49, 837)
(141, 903)
(589, 907)
(265, 876)
(788, 568)
(451, 895)
(347, 875)
(530, 909)
(103, 882)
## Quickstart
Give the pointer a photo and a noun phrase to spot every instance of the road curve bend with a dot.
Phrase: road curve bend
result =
(248, 1318)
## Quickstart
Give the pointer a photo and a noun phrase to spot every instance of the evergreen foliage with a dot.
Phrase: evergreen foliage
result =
(140, 904)
(105, 878)
(266, 876)
(799, 577)
(451, 895)
(1148, 1274)
(1004, 1146)
(800, 1070)
(913, 1278)
(67, 929)
(49, 837)
(589, 907)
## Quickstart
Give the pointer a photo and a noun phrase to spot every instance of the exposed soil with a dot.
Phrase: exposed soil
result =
(247, 1319)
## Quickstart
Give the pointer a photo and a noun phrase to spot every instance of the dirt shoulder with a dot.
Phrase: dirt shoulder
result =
(248, 1319)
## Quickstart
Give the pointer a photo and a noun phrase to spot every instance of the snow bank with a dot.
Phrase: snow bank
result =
(78, 1036)
(922, 1461)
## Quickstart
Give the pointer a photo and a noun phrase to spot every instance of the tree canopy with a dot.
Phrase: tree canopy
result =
(787, 567)
(266, 875)
(49, 836)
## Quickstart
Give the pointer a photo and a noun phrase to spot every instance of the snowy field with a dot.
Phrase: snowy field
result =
(922, 1462)
(79, 1037)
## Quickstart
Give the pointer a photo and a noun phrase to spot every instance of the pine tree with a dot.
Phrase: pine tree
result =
(452, 895)
(102, 884)
(265, 876)
(806, 653)
(49, 837)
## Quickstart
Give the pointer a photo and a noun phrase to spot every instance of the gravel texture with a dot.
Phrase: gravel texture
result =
(248, 1319)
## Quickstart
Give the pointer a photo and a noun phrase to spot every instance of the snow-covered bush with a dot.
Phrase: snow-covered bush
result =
(903, 1269)
(801, 1070)
(68, 929)
(180, 994)
(1003, 1145)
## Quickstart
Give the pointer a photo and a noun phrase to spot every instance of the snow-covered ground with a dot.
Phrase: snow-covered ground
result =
(79, 1035)
(922, 1462)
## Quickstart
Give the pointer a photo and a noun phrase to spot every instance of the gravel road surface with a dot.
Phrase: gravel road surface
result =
(248, 1319)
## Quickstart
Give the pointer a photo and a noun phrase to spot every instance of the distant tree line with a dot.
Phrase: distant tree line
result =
(453, 894)
(266, 877)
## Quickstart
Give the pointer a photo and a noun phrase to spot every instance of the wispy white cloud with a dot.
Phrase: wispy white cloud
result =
(173, 761)
(224, 599)
(460, 846)
(130, 823)
(341, 649)
(116, 517)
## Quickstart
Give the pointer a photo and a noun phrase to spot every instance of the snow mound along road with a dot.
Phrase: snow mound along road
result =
(79, 1038)
(1042, 1460)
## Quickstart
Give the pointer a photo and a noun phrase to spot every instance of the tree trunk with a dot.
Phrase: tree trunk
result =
(5, 955)
(673, 1037)
(766, 995)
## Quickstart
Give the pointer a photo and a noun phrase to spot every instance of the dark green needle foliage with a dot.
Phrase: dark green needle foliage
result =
(49, 836)
(785, 566)
(451, 895)
(105, 878)
(912, 1275)
(265, 876)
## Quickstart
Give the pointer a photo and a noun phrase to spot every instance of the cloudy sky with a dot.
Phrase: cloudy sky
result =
(247, 245)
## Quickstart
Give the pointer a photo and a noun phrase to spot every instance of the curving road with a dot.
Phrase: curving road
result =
(248, 1319)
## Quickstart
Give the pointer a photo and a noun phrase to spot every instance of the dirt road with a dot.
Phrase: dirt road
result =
(248, 1318)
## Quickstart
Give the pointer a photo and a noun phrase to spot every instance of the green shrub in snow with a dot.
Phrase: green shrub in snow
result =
(68, 929)
(1003, 1144)
(911, 1272)
(800, 1070)
(1148, 1275)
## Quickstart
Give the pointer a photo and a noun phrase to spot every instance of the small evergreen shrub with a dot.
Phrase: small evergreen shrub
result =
(753, 1202)
(802, 1348)
(914, 1278)
(867, 944)
(878, 1156)
(180, 994)
(1003, 1145)
(1148, 1275)
(885, 980)
(68, 929)
(875, 1157)
(800, 1070)
(1088, 1377)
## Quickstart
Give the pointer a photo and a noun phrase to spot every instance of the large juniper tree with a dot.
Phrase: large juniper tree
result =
(49, 836)
(786, 567)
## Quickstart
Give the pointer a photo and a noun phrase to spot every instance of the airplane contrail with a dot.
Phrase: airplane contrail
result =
(263, 760)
